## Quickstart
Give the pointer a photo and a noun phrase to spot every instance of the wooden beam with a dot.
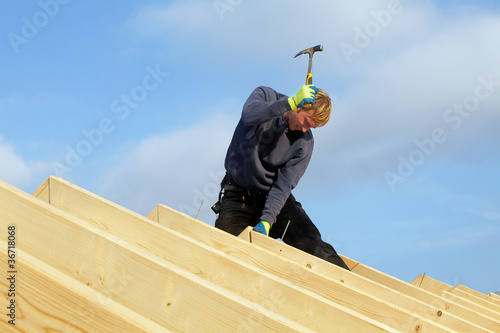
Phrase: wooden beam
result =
(491, 297)
(471, 291)
(427, 297)
(42, 192)
(495, 298)
(471, 305)
(349, 262)
(48, 300)
(284, 298)
(473, 298)
(430, 284)
(459, 311)
(133, 277)
(304, 268)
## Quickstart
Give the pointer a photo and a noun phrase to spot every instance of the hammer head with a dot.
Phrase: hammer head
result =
(310, 50)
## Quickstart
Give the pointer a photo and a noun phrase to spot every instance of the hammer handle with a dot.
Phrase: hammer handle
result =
(309, 80)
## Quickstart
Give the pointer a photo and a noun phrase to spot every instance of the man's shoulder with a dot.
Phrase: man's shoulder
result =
(269, 93)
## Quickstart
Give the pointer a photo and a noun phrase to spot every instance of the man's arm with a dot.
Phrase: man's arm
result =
(264, 104)
(288, 177)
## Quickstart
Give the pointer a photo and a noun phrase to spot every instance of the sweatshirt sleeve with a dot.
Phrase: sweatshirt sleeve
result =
(262, 105)
(288, 177)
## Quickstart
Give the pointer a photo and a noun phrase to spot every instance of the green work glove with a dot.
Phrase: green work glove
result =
(263, 227)
(306, 95)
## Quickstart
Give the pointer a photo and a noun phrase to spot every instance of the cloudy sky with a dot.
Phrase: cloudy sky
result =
(136, 101)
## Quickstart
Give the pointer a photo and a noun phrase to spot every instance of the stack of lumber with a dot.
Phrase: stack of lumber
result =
(85, 264)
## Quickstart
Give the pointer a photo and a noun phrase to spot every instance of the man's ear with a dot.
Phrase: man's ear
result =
(287, 114)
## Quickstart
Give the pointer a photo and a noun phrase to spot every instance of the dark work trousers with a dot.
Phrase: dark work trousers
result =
(240, 210)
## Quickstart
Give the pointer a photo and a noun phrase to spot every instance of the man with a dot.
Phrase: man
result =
(269, 152)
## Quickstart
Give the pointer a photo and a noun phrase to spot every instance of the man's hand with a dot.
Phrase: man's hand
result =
(263, 227)
(305, 95)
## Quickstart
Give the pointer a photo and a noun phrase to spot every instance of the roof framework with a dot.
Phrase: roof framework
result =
(84, 263)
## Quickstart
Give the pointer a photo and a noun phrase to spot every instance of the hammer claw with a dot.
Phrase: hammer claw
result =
(310, 50)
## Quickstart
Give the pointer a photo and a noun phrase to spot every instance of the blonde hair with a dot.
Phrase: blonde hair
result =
(322, 108)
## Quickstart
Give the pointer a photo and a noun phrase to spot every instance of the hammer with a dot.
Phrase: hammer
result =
(310, 51)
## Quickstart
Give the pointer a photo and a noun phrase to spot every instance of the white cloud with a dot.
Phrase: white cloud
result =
(16, 171)
(404, 97)
(13, 168)
(178, 169)
(245, 31)
(396, 89)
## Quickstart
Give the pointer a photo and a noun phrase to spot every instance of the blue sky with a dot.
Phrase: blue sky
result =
(137, 102)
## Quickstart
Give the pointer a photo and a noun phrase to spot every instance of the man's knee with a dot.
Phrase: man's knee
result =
(326, 252)
(228, 227)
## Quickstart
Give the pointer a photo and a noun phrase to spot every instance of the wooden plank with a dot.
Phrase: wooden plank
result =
(475, 299)
(428, 297)
(430, 284)
(264, 260)
(459, 299)
(495, 298)
(491, 297)
(49, 301)
(453, 322)
(133, 277)
(349, 262)
(245, 235)
(42, 192)
(471, 291)
(284, 298)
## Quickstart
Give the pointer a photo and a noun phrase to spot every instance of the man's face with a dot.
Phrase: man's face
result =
(301, 120)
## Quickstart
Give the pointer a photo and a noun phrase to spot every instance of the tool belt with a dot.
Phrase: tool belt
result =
(228, 184)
